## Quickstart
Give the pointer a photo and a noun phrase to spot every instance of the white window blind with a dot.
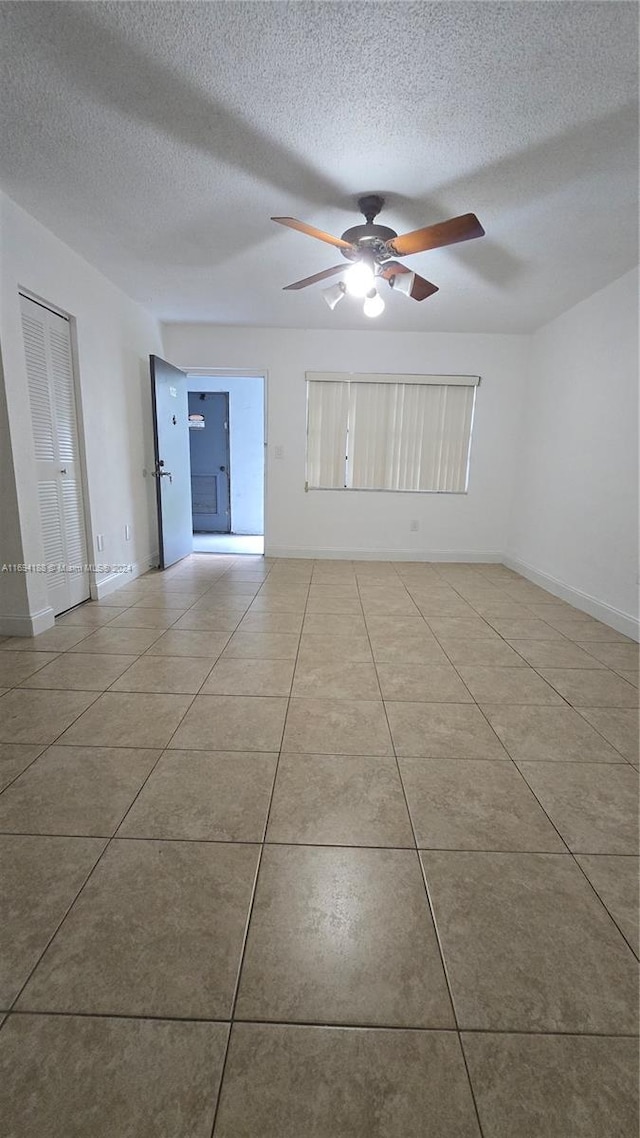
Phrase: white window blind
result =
(387, 432)
(327, 416)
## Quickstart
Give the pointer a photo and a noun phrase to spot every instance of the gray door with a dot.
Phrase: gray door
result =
(209, 444)
(172, 465)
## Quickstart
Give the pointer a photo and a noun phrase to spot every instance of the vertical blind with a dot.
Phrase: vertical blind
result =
(382, 432)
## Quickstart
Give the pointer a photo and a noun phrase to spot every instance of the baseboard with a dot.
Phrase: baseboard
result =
(113, 581)
(31, 625)
(615, 618)
(383, 554)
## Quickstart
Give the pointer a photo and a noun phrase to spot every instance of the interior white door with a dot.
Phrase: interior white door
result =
(47, 346)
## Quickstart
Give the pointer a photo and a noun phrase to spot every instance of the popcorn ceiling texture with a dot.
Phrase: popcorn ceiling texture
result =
(158, 138)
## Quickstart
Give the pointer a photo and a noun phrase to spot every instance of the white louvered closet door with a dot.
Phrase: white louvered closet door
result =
(47, 345)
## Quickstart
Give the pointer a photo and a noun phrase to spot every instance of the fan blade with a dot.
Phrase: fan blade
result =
(316, 277)
(420, 288)
(435, 236)
(292, 223)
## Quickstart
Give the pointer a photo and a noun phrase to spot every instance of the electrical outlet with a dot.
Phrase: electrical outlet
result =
(278, 452)
(414, 525)
(100, 542)
(127, 533)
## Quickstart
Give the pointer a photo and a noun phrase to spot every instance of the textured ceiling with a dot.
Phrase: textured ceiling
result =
(158, 138)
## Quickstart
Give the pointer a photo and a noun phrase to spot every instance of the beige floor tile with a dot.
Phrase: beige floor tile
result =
(221, 606)
(460, 627)
(250, 677)
(527, 593)
(402, 649)
(80, 671)
(335, 680)
(554, 654)
(485, 653)
(40, 716)
(399, 605)
(586, 631)
(593, 805)
(279, 602)
(118, 641)
(72, 1076)
(344, 592)
(336, 727)
(83, 791)
(204, 796)
(333, 606)
(342, 936)
(55, 639)
(434, 606)
(262, 646)
(475, 804)
(422, 683)
(507, 685)
(555, 734)
(523, 628)
(157, 931)
(557, 610)
(616, 656)
(15, 667)
(618, 725)
(39, 879)
(502, 608)
(381, 627)
(168, 600)
(91, 613)
(339, 800)
(287, 1081)
(545, 1086)
(615, 880)
(527, 945)
(178, 675)
(128, 719)
(317, 648)
(591, 688)
(201, 620)
(232, 723)
(288, 622)
(325, 624)
(442, 731)
(630, 677)
(14, 758)
(137, 617)
(182, 643)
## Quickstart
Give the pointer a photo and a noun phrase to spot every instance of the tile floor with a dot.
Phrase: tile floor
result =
(325, 849)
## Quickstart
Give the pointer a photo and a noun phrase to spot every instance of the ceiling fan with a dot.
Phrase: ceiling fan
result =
(372, 249)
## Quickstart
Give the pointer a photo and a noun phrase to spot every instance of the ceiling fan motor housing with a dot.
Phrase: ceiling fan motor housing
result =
(371, 237)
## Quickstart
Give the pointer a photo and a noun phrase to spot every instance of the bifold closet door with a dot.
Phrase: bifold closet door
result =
(47, 345)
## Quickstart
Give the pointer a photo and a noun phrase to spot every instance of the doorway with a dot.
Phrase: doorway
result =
(59, 474)
(226, 437)
(209, 448)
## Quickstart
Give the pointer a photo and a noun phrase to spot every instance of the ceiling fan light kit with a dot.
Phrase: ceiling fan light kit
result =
(373, 248)
(374, 304)
(402, 282)
(334, 293)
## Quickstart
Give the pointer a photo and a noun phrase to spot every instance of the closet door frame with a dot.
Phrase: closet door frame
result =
(80, 464)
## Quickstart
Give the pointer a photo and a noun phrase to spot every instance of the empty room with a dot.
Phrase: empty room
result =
(319, 569)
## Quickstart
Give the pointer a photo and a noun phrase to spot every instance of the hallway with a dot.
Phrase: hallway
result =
(319, 849)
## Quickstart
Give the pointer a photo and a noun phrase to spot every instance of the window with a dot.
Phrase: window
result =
(389, 432)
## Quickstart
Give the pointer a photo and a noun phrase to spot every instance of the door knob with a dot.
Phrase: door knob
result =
(64, 470)
(222, 469)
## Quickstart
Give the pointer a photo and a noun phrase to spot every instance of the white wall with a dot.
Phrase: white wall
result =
(246, 445)
(361, 524)
(114, 337)
(574, 523)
